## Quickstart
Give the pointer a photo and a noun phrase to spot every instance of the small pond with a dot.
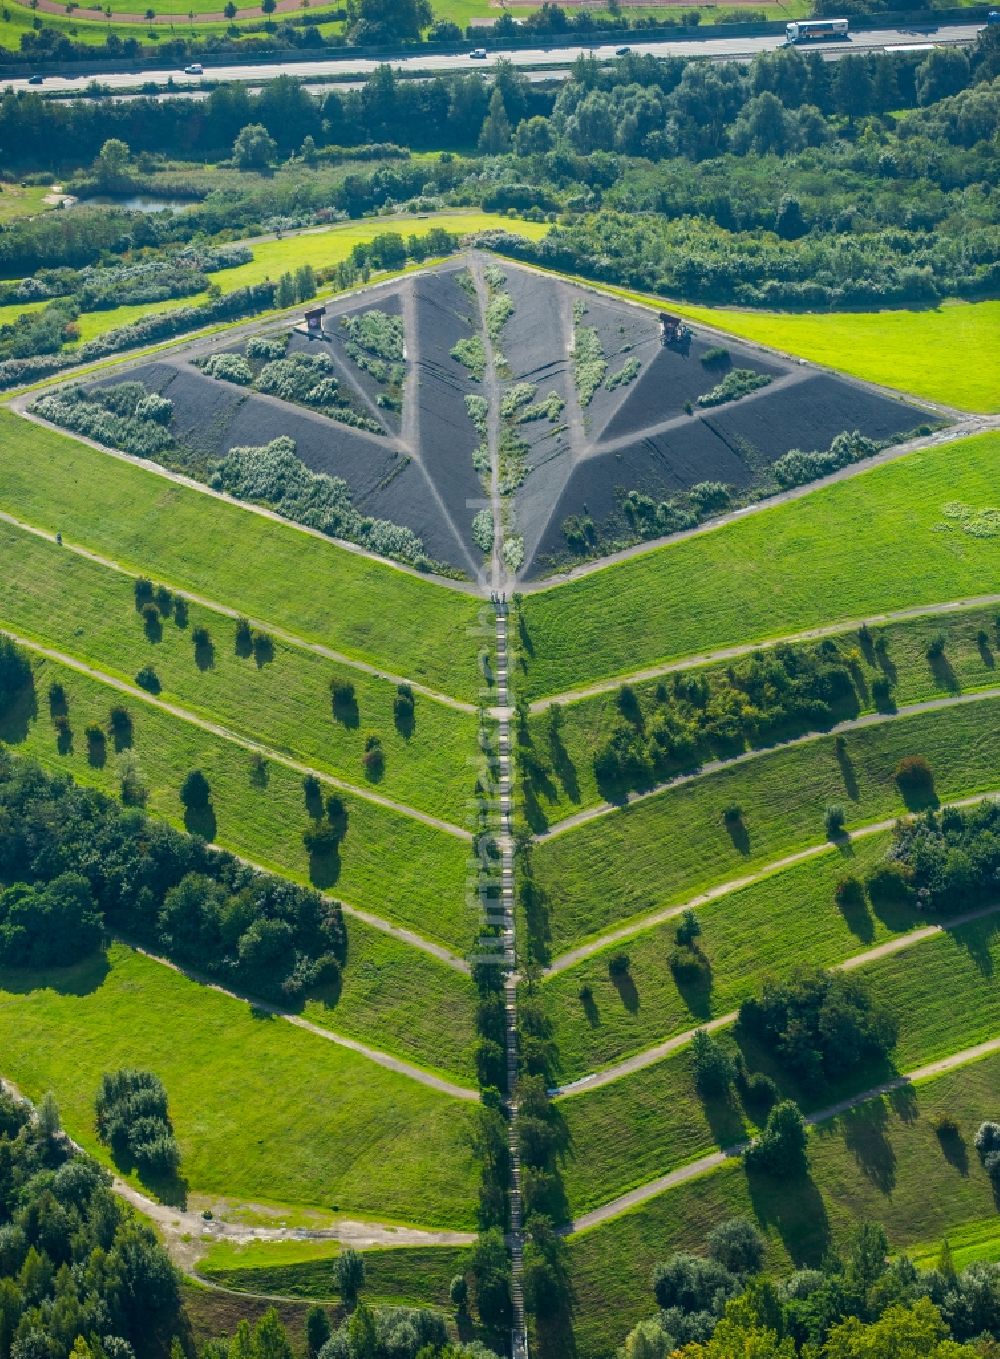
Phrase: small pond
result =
(138, 202)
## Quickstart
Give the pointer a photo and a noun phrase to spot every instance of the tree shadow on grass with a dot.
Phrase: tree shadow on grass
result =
(263, 650)
(18, 715)
(204, 654)
(628, 992)
(201, 821)
(847, 774)
(724, 1118)
(944, 673)
(864, 1130)
(739, 835)
(857, 917)
(324, 869)
(918, 797)
(986, 653)
(954, 1150)
(345, 711)
(565, 769)
(794, 1207)
(976, 939)
(590, 1010)
(97, 751)
(169, 1187)
(80, 979)
(696, 990)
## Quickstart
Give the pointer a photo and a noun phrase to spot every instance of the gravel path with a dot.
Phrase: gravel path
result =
(289, 638)
(967, 425)
(216, 729)
(187, 1233)
(650, 1056)
(376, 1055)
(639, 924)
(716, 1158)
(729, 653)
(926, 705)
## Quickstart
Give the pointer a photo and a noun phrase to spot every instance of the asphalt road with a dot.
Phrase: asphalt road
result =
(557, 58)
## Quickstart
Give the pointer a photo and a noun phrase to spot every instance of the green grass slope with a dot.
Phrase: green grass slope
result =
(260, 1109)
(945, 996)
(882, 1161)
(669, 846)
(789, 918)
(88, 611)
(262, 567)
(877, 541)
(399, 868)
(966, 664)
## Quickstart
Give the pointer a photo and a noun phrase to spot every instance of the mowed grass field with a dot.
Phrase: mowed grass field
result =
(786, 920)
(259, 1107)
(281, 698)
(671, 845)
(967, 663)
(263, 567)
(882, 1162)
(401, 869)
(899, 349)
(875, 542)
(943, 992)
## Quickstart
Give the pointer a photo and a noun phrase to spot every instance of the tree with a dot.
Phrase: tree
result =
(943, 72)
(349, 1274)
(494, 138)
(533, 137)
(853, 90)
(285, 296)
(790, 223)
(308, 150)
(385, 22)
(317, 1330)
(305, 283)
(230, 10)
(916, 1332)
(254, 147)
(713, 1067)
(781, 1147)
(111, 165)
(269, 6)
(47, 1116)
(737, 1245)
(15, 671)
(458, 1292)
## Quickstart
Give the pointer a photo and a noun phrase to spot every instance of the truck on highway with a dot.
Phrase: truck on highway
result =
(809, 30)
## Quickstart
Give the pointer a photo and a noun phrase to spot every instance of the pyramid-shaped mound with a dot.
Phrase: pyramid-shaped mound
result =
(478, 386)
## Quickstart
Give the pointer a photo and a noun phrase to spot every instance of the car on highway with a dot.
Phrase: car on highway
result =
(35, 79)
(195, 68)
(622, 51)
(478, 54)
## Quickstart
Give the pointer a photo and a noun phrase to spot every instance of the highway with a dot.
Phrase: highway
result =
(553, 60)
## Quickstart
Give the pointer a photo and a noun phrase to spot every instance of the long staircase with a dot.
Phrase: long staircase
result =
(519, 1334)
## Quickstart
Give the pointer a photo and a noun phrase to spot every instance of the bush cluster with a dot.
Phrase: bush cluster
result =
(132, 1120)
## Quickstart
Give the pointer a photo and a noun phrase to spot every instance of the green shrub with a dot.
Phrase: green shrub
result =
(737, 383)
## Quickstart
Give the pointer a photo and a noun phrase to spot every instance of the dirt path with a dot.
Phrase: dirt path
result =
(289, 638)
(966, 426)
(650, 1056)
(188, 1233)
(730, 653)
(70, 376)
(716, 1158)
(639, 924)
(376, 1055)
(926, 705)
(216, 729)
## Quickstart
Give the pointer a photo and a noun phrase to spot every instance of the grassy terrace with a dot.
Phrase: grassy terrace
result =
(787, 919)
(882, 1161)
(88, 611)
(322, 592)
(944, 994)
(414, 1276)
(260, 1109)
(401, 869)
(966, 665)
(670, 846)
(877, 541)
